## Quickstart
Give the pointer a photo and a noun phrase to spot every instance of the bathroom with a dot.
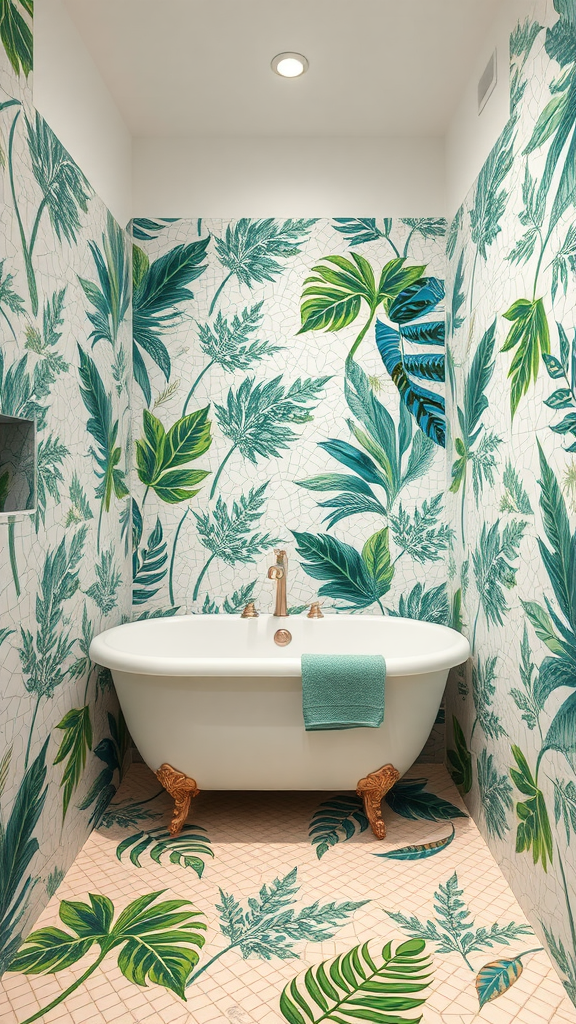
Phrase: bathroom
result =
(287, 372)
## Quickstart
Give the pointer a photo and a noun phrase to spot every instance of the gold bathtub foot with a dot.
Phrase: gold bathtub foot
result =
(182, 788)
(372, 789)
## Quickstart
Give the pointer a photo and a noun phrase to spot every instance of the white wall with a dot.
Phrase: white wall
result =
(70, 94)
(471, 136)
(287, 177)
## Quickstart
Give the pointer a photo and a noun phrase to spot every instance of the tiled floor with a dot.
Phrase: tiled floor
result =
(262, 945)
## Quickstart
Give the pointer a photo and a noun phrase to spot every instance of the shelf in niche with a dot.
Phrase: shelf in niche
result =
(17, 467)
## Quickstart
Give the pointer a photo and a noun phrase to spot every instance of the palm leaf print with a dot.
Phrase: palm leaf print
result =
(337, 819)
(563, 397)
(389, 455)
(145, 229)
(420, 851)
(43, 655)
(159, 288)
(493, 569)
(18, 845)
(533, 832)
(355, 985)
(251, 250)
(497, 977)
(9, 299)
(160, 942)
(557, 631)
(111, 296)
(481, 458)
(65, 190)
(149, 565)
(16, 33)
(496, 794)
(358, 230)
(184, 849)
(104, 430)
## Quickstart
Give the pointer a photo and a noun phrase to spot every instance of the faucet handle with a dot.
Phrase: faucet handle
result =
(250, 611)
(315, 612)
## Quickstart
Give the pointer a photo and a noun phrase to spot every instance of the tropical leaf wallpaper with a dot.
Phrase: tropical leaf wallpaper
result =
(290, 391)
(65, 570)
(511, 404)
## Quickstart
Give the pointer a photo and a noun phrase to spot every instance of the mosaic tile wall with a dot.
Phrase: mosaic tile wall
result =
(276, 409)
(64, 568)
(511, 312)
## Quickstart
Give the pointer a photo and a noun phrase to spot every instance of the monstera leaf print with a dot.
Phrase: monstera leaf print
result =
(386, 986)
(408, 311)
(333, 297)
(159, 942)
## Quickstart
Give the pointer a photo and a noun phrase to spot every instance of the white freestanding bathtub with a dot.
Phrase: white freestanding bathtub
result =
(217, 699)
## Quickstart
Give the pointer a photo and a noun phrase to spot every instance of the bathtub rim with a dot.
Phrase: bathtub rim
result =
(456, 652)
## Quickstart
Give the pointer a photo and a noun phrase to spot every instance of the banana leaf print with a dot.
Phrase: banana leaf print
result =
(18, 845)
(410, 799)
(385, 987)
(104, 430)
(359, 579)
(75, 746)
(145, 228)
(159, 289)
(497, 977)
(408, 311)
(160, 942)
(533, 831)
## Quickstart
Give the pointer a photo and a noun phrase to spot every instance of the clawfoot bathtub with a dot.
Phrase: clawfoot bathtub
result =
(212, 701)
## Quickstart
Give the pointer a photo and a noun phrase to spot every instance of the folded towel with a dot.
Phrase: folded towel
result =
(343, 691)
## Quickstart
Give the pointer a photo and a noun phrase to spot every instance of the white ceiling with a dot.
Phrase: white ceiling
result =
(201, 67)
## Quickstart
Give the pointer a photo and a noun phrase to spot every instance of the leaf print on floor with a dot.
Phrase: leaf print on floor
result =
(452, 931)
(338, 818)
(160, 943)
(420, 851)
(270, 926)
(184, 849)
(409, 798)
(354, 986)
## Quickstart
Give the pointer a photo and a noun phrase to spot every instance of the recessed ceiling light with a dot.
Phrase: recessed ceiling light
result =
(289, 65)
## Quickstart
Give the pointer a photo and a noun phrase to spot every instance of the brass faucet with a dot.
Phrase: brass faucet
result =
(279, 573)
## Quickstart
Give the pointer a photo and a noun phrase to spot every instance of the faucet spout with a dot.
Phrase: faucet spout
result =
(278, 573)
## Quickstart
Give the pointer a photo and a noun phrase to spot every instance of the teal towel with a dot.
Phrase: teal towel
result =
(343, 691)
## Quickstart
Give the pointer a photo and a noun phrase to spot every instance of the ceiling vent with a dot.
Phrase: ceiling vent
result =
(487, 83)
